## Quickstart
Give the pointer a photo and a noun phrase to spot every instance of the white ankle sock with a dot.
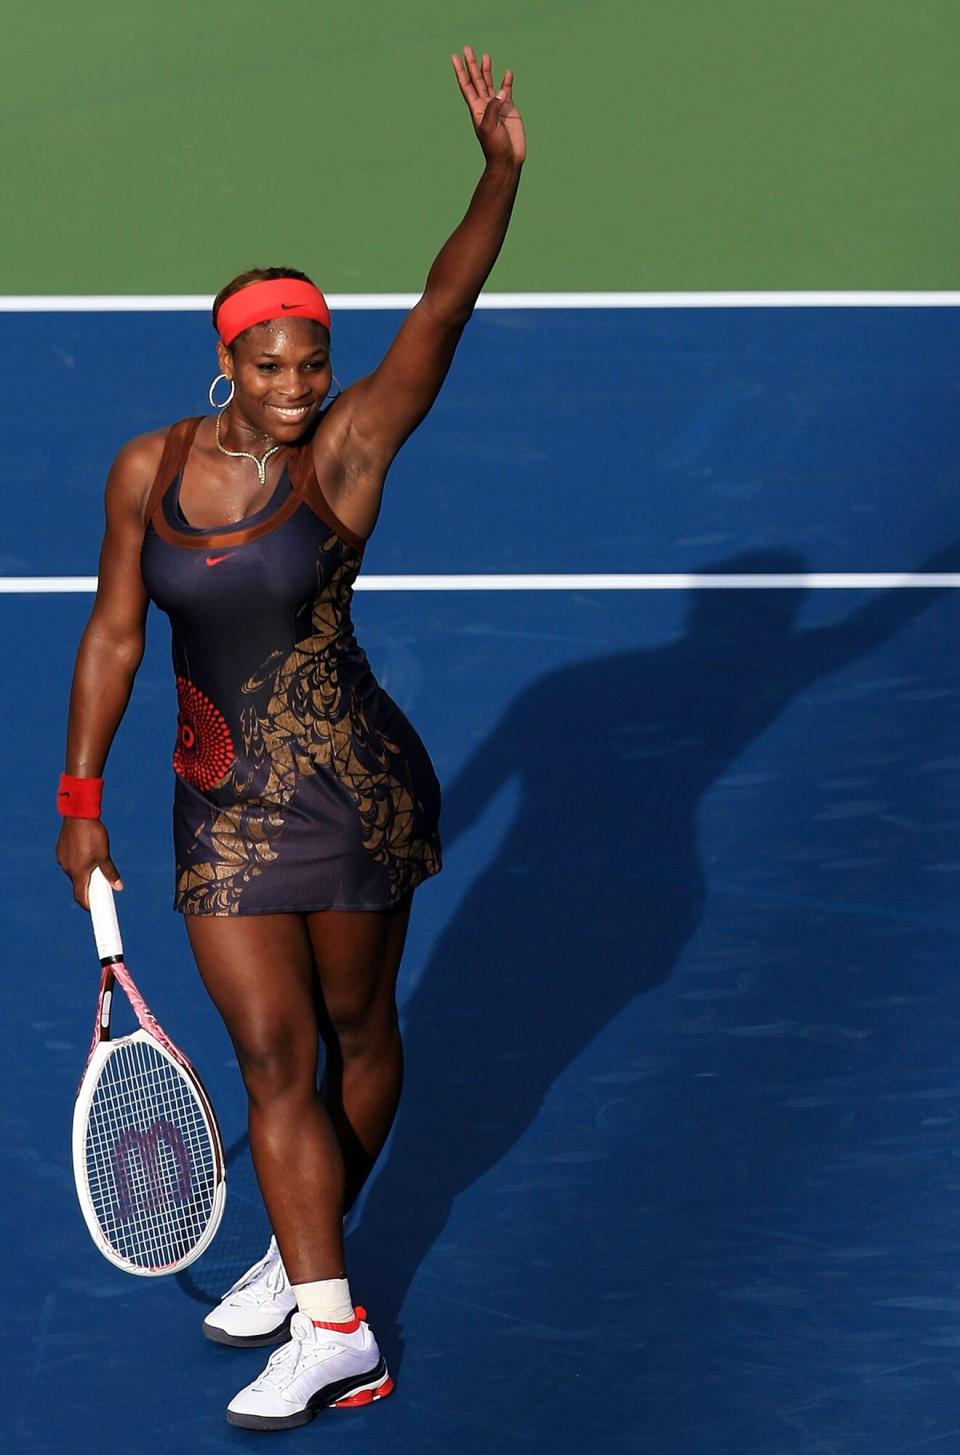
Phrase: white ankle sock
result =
(326, 1301)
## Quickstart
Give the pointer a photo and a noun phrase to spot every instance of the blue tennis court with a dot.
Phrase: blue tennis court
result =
(676, 1163)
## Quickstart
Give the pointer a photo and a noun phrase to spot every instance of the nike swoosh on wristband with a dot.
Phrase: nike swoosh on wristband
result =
(215, 560)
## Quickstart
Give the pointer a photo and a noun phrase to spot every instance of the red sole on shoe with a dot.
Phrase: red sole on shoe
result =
(364, 1396)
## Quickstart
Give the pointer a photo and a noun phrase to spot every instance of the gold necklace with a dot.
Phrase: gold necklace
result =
(260, 463)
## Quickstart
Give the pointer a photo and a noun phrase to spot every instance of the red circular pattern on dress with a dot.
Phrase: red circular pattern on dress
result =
(204, 753)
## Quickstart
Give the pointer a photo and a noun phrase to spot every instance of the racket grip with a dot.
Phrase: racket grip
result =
(103, 912)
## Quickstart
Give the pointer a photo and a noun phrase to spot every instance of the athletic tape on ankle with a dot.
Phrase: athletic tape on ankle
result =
(326, 1301)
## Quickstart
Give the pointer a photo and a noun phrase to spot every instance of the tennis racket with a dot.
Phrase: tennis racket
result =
(147, 1155)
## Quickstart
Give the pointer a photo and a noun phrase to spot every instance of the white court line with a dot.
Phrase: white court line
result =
(124, 303)
(346, 302)
(621, 581)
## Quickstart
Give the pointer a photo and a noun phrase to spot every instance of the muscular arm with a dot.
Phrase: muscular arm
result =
(110, 652)
(379, 412)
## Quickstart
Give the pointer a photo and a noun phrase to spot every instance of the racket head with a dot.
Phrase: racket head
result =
(147, 1156)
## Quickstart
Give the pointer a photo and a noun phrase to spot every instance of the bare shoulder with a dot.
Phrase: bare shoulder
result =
(132, 474)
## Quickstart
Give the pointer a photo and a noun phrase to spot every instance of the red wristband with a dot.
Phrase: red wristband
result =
(79, 797)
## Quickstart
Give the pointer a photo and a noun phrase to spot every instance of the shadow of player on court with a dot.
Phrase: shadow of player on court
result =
(597, 885)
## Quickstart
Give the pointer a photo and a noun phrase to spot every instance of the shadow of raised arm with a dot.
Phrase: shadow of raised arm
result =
(828, 648)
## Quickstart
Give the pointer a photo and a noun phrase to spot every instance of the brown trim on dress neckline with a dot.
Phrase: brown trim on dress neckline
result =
(303, 477)
(305, 489)
(209, 539)
(176, 447)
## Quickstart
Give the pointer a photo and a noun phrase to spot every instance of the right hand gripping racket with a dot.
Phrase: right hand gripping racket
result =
(147, 1154)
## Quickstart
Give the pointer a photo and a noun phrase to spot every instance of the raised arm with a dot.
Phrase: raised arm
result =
(110, 652)
(375, 415)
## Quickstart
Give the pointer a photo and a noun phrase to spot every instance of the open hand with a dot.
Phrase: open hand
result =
(496, 120)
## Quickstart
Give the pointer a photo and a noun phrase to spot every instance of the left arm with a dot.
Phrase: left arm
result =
(374, 416)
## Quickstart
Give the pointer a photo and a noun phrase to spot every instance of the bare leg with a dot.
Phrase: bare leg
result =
(259, 971)
(358, 958)
(263, 973)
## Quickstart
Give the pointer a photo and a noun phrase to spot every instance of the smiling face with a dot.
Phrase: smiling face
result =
(282, 374)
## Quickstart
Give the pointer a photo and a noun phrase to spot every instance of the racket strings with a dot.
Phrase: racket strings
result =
(150, 1158)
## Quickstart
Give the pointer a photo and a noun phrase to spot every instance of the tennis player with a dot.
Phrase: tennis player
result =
(306, 806)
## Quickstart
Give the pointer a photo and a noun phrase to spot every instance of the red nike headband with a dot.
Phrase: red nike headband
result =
(276, 298)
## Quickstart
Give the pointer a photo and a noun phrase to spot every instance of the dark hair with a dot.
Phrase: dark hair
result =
(254, 275)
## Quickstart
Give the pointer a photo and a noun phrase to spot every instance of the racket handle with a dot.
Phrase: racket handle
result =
(103, 912)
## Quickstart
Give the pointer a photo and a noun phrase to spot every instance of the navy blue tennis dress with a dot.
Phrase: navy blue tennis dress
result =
(300, 784)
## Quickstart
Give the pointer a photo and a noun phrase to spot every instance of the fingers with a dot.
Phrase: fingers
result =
(83, 846)
(81, 884)
(467, 89)
(81, 881)
(475, 78)
(81, 888)
(476, 73)
(109, 871)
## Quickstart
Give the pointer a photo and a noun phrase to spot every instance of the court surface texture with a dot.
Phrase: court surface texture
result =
(676, 1167)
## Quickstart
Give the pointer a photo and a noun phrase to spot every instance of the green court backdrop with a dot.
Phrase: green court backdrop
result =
(674, 144)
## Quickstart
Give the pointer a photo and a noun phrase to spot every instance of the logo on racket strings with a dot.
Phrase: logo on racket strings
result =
(151, 1168)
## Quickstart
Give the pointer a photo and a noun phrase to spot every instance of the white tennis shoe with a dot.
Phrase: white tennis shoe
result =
(257, 1309)
(319, 1369)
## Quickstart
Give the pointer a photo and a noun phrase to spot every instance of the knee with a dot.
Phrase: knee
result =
(364, 1029)
(277, 1067)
